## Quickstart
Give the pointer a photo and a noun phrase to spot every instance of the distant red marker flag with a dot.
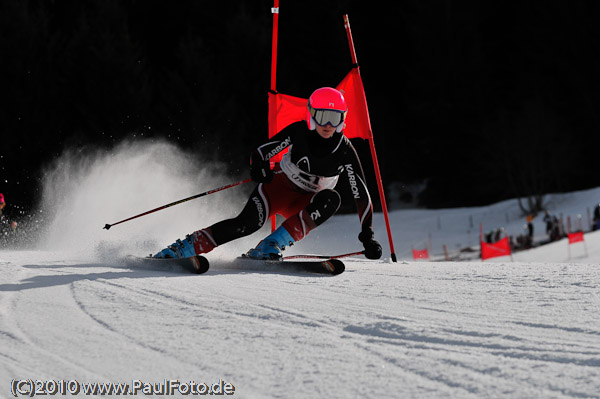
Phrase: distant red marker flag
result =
(575, 237)
(420, 253)
(499, 248)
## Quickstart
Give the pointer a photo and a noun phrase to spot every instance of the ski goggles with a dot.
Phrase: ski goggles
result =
(328, 116)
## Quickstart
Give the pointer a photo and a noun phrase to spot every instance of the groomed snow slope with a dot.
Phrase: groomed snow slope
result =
(70, 310)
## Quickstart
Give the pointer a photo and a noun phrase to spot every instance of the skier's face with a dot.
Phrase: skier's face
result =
(325, 131)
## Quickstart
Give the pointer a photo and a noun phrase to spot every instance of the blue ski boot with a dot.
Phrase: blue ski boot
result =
(179, 249)
(271, 246)
(199, 242)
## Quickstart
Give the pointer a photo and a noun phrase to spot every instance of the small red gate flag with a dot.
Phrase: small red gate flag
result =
(575, 237)
(499, 248)
(420, 253)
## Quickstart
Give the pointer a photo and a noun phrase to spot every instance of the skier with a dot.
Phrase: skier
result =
(300, 187)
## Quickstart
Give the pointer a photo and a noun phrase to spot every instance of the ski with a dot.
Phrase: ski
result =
(199, 264)
(322, 266)
(194, 264)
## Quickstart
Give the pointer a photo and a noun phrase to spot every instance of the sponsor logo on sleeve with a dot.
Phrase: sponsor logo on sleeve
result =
(280, 147)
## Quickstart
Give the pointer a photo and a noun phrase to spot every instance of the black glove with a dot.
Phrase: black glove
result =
(372, 247)
(260, 171)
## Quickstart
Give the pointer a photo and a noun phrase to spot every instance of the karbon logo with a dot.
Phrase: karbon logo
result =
(278, 149)
(259, 208)
(352, 179)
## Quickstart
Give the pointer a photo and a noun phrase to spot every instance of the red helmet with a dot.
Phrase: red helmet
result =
(326, 106)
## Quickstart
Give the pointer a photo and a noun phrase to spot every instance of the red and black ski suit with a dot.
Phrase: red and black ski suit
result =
(301, 186)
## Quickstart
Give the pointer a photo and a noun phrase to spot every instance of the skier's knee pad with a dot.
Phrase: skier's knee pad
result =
(324, 205)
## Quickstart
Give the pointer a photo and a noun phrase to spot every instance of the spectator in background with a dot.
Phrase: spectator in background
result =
(489, 237)
(552, 227)
(498, 234)
(529, 239)
(525, 240)
(6, 226)
(596, 220)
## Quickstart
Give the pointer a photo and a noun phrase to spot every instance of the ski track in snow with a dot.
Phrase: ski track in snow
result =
(410, 329)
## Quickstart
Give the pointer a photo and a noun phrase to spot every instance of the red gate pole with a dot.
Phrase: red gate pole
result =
(275, 11)
(273, 91)
(371, 141)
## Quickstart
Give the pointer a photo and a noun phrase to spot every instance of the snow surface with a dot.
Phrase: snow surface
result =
(526, 327)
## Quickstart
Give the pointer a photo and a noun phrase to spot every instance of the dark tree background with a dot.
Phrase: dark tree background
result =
(483, 100)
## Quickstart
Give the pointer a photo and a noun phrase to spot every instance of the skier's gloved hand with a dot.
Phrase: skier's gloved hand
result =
(372, 247)
(260, 171)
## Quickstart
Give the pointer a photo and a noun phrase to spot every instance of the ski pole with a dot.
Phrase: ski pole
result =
(108, 226)
(323, 256)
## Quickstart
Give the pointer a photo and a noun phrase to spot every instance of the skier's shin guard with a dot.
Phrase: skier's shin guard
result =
(323, 205)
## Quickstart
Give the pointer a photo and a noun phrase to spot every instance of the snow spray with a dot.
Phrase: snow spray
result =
(84, 188)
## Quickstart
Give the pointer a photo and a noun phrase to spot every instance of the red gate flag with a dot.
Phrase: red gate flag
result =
(420, 253)
(285, 109)
(499, 248)
(575, 237)
(358, 115)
